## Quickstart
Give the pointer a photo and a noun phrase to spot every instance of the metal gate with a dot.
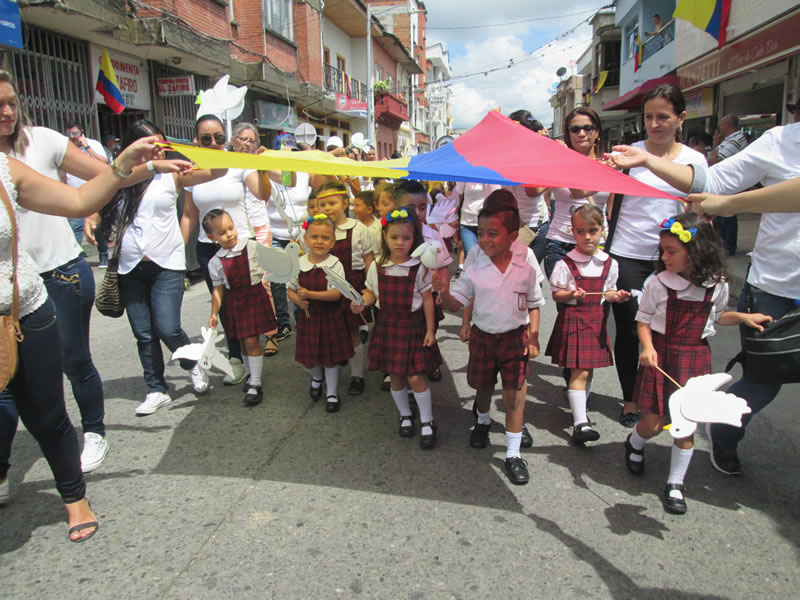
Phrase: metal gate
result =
(53, 79)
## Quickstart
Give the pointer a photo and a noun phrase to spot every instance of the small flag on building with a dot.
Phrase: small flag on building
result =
(710, 16)
(601, 81)
(108, 86)
(637, 59)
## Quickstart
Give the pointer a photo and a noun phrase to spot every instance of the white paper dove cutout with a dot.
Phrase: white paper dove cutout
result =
(432, 252)
(700, 402)
(281, 204)
(359, 141)
(225, 101)
(442, 214)
(280, 265)
(205, 353)
(341, 284)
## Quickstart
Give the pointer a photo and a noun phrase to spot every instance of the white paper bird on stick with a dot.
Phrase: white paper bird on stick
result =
(282, 204)
(205, 353)
(432, 252)
(341, 284)
(280, 265)
(699, 401)
(225, 101)
(442, 214)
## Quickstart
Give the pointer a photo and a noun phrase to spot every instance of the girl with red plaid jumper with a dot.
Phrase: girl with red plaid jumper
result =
(248, 311)
(583, 284)
(680, 304)
(323, 339)
(404, 341)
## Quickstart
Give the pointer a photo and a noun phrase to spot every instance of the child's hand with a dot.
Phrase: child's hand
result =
(430, 339)
(303, 304)
(756, 320)
(578, 294)
(357, 308)
(302, 293)
(621, 296)
(438, 283)
(464, 332)
(532, 346)
(212, 321)
(648, 357)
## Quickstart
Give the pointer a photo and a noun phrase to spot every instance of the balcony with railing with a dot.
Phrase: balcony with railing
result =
(339, 82)
(390, 109)
(660, 39)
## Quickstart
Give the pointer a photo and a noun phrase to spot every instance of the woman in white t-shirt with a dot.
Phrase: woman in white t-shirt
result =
(471, 197)
(634, 235)
(228, 193)
(152, 266)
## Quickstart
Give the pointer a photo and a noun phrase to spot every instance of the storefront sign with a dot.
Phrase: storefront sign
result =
(766, 46)
(10, 30)
(351, 106)
(271, 115)
(131, 74)
(700, 103)
(176, 86)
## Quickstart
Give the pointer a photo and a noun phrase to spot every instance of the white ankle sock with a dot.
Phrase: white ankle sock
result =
(357, 362)
(316, 375)
(484, 418)
(513, 441)
(400, 398)
(425, 406)
(577, 403)
(255, 364)
(678, 465)
(638, 443)
(331, 380)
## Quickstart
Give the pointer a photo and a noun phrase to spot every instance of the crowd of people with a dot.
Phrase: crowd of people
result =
(658, 267)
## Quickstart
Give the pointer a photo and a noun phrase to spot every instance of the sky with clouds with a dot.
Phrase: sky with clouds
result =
(536, 57)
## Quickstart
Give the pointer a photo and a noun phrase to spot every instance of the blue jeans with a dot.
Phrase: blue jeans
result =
(554, 252)
(279, 295)
(539, 243)
(727, 230)
(102, 244)
(469, 237)
(152, 297)
(77, 229)
(205, 252)
(37, 391)
(758, 395)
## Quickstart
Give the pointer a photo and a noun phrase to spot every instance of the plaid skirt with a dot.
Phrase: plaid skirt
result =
(396, 346)
(580, 337)
(652, 390)
(248, 312)
(490, 353)
(323, 339)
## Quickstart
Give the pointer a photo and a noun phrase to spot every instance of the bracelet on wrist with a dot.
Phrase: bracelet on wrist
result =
(151, 167)
(119, 172)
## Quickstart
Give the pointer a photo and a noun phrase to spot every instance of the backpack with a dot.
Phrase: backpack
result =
(772, 355)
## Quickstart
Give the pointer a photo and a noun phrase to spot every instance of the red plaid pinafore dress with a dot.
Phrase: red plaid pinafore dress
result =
(343, 250)
(323, 339)
(396, 347)
(682, 352)
(246, 308)
(580, 334)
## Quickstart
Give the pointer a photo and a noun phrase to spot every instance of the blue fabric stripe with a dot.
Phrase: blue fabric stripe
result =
(431, 165)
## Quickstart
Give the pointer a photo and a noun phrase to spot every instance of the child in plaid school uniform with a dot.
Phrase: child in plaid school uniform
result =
(583, 283)
(680, 304)
(235, 275)
(404, 341)
(505, 316)
(323, 338)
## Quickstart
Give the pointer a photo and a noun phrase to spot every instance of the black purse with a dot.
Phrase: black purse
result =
(108, 300)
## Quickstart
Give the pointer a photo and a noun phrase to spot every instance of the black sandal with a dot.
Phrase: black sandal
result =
(406, 431)
(271, 351)
(426, 442)
(676, 506)
(583, 432)
(315, 392)
(637, 468)
(332, 407)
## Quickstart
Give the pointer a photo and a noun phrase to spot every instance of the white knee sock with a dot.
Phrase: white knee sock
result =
(638, 443)
(513, 441)
(255, 364)
(400, 398)
(316, 375)
(357, 362)
(577, 403)
(425, 406)
(331, 381)
(678, 465)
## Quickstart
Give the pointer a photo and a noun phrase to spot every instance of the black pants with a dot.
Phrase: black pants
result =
(632, 273)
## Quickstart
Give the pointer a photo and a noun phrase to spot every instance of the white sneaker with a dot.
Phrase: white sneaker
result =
(152, 402)
(4, 493)
(95, 448)
(199, 377)
(239, 373)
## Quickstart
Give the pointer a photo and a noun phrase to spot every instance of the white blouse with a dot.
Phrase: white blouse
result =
(422, 284)
(227, 193)
(561, 278)
(333, 263)
(296, 205)
(475, 195)
(561, 223)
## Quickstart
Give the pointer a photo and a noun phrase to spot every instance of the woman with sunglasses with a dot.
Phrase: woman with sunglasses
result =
(582, 134)
(227, 193)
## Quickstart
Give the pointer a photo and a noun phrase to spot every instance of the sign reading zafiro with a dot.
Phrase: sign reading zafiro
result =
(132, 77)
(176, 86)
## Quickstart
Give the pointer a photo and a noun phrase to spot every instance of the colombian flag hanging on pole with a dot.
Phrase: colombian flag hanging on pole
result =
(709, 15)
(107, 85)
(637, 59)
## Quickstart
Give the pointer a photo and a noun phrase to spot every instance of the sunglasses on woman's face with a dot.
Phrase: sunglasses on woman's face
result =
(576, 129)
(205, 139)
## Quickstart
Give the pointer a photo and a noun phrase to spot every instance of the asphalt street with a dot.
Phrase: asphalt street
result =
(208, 498)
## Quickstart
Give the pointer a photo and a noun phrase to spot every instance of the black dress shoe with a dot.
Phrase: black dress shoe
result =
(426, 442)
(386, 384)
(479, 437)
(527, 438)
(637, 468)
(583, 432)
(356, 386)
(315, 392)
(435, 376)
(332, 407)
(406, 431)
(364, 335)
(251, 399)
(676, 506)
(517, 470)
(628, 420)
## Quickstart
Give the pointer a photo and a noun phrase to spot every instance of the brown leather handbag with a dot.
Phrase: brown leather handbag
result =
(10, 332)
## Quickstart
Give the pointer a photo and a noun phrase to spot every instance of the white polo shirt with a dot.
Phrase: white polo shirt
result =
(333, 263)
(772, 158)
(226, 193)
(653, 303)
(422, 284)
(474, 196)
(561, 278)
(502, 300)
(517, 248)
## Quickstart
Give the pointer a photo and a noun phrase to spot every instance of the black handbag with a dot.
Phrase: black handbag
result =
(772, 355)
(108, 300)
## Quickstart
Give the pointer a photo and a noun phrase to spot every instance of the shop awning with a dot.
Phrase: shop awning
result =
(633, 99)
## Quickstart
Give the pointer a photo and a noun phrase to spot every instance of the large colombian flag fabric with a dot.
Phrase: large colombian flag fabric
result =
(709, 15)
(107, 85)
(497, 150)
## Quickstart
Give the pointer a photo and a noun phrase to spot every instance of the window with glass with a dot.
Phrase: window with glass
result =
(278, 17)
